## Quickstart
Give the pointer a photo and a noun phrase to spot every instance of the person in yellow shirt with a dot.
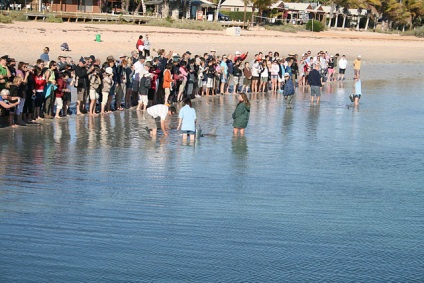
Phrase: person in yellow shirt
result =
(357, 66)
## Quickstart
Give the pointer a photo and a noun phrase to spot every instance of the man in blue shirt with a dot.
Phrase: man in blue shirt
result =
(45, 55)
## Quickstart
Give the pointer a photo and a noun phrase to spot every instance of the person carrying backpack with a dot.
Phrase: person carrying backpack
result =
(144, 86)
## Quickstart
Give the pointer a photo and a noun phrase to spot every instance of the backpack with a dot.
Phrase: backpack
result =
(146, 82)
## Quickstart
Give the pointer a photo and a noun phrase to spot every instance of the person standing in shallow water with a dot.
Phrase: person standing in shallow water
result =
(241, 115)
(187, 120)
(358, 90)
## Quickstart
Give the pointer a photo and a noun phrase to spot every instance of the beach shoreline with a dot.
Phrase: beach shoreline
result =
(25, 41)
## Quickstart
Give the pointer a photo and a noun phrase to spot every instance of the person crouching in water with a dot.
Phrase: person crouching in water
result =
(241, 115)
(288, 90)
(187, 121)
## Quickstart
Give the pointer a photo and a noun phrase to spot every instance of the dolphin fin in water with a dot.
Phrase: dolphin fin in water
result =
(199, 132)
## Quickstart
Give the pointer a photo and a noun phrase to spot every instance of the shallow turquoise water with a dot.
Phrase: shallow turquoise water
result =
(314, 194)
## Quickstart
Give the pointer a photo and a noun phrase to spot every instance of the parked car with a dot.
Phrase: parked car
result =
(221, 17)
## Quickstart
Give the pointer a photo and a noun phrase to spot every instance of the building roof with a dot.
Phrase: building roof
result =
(234, 3)
(298, 6)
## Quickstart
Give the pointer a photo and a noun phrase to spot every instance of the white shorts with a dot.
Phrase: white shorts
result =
(209, 83)
(105, 96)
(142, 99)
(59, 103)
(93, 94)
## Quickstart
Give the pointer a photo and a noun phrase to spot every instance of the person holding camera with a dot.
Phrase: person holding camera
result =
(107, 85)
(95, 82)
(4, 72)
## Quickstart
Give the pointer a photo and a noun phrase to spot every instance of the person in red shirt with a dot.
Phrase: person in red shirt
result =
(140, 45)
(238, 56)
(61, 87)
(39, 82)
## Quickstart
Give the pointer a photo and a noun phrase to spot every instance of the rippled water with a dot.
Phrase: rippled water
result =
(314, 194)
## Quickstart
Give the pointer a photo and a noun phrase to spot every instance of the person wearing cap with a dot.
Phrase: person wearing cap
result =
(357, 66)
(61, 63)
(315, 81)
(158, 111)
(45, 55)
(106, 86)
(342, 68)
(81, 81)
(288, 91)
(4, 72)
(239, 56)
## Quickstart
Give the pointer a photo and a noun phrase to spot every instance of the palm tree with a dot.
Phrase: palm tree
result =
(262, 5)
(165, 8)
(218, 8)
(245, 2)
(140, 3)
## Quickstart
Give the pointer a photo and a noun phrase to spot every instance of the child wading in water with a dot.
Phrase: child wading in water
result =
(241, 115)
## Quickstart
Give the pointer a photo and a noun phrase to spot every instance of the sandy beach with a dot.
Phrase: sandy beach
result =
(26, 40)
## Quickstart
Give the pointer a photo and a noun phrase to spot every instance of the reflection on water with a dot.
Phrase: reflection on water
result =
(316, 193)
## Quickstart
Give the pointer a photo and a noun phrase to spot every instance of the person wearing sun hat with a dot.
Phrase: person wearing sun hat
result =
(357, 66)
(288, 90)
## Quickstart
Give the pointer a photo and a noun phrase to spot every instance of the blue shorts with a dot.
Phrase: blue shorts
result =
(189, 132)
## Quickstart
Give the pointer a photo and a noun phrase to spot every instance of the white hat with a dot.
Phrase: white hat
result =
(122, 55)
(286, 74)
(149, 58)
(109, 71)
(213, 50)
(175, 55)
(359, 56)
(237, 53)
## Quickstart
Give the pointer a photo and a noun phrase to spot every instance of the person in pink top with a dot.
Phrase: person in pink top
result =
(183, 74)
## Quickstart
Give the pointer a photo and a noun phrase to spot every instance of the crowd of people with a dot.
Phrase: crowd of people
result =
(33, 92)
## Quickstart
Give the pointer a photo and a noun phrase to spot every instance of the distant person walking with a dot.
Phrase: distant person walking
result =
(241, 115)
(357, 66)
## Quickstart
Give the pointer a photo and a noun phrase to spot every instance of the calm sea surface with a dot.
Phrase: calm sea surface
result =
(315, 194)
